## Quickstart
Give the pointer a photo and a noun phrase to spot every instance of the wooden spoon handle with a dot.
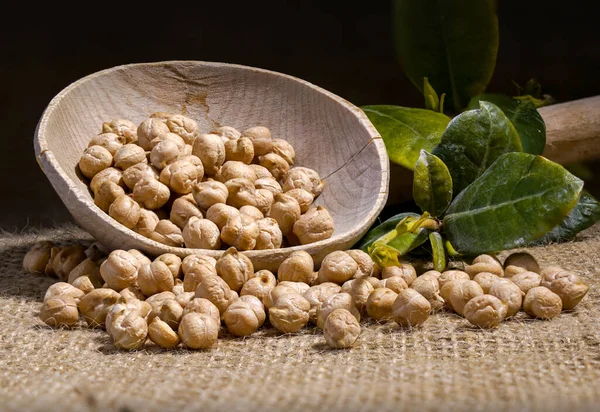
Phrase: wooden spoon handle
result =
(572, 130)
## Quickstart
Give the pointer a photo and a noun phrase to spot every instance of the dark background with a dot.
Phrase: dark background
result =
(345, 48)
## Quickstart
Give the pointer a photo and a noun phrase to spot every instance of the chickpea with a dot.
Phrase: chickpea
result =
(125, 210)
(486, 280)
(147, 222)
(217, 291)
(59, 311)
(410, 308)
(65, 291)
(128, 329)
(121, 127)
(278, 291)
(284, 149)
(261, 139)
(241, 150)
(209, 193)
(270, 236)
(338, 301)
(106, 195)
(162, 334)
(109, 174)
(94, 160)
(211, 150)
(95, 305)
(169, 311)
(406, 271)
(227, 133)
(137, 172)
(359, 289)
(244, 316)
(164, 152)
(157, 300)
(338, 267)
(89, 268)
(179, 290)
(180, 176)
(260, 285)
(512, 270)
(316, 224)
(198, 331)
(201, 305)
(220, 214)
(37, 258)
(63, 260)
(380, 303)
(235, 269)
(290, 313)
(183, 209)
(526, 280)
(485, 311)
(195, 269)
(508, 292)
(341, 329)
(429, 287)
(268, 183)
(151, 194)
(303, 178)
(241, 192)
(317, 295)
(132, 292)
(154, 278)
(297, 267)
(150, 129)
(167, 233)
(276, 164)
(395, 283)
(202, 234)
(462, 292)
(485, 263)
(542, 303)
(567, 285)
(173, 262)
(120, 270)
(232, 169)
(364, 262)
(110, 141)
(304, 198)
(450, 275)
(240, 232)
(184, 126)
(129, 155)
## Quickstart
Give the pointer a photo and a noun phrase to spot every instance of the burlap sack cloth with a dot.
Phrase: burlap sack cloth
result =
(524, 364)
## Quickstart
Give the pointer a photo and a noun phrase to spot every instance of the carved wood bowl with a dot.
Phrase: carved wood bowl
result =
(328, 133)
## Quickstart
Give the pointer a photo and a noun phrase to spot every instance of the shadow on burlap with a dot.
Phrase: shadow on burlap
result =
(524, 364)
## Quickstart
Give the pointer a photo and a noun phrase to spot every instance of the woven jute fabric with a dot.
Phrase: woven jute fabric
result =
(524, 364)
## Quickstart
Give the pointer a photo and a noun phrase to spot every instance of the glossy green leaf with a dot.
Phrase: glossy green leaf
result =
(376, 232)
(583, 215)
(439, 254)
(453, 43)
(516, 201)
(432, 184)
(473, 141)
(406, 131)
(524, 117)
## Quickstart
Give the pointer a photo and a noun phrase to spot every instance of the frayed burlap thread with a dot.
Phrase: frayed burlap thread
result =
(524, 364)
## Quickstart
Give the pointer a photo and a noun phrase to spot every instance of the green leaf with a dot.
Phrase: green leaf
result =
(524, 117)
(439, 255)
(376, 232)
(406, 131)
(473, 141)
(405, 242)
(432, 184)
(453, 43)
(583, 215)
(517, 200)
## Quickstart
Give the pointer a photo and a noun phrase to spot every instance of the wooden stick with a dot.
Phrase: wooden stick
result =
(572, 130)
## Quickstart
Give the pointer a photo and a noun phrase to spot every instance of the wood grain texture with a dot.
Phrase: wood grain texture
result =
(328, 133)
(572, 130)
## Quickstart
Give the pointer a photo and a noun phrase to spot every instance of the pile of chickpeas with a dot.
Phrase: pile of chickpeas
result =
(176, 302)
(170, 183)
